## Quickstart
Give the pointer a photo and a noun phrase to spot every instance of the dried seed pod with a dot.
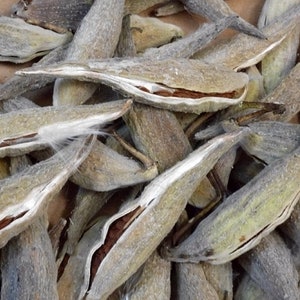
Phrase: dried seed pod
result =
(28, 268)
(56, 15)
(118, 246)
(156, 211)
(271, 11)
(152, 32)
(291, 227)
(278, 63)
(72, 267)
(249, 214)
(249, 290)
(269, 140)
(170, 144)
(36, 186)
(66, 14)
(30, 250)
(190, 44)
(154, 282)
(18, 85)
(87, 204)
(38, 127)
(243, 51)
(191, 283)
(220, 277)
(217, 9)
(255, 87)
(170, 83)
(93, 39)
(106, 170)
(71, 281)
(21, 42)
(286, 93)
(135, 7)
(270, 265)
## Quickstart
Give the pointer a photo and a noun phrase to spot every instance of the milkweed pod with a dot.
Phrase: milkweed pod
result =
(246, 216)
(175, 84)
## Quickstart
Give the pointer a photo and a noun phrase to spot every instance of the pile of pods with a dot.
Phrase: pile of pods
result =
(176, 151)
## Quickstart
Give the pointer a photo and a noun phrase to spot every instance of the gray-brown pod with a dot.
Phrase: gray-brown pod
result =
(248, 215)
(271, 266)
(61, 15)
(278, 63)
(93, 39)
(191, 282)
(176, 84)
(17, 85)
(169, 146)
(221, 278)
(153, 283)
(31, 250)
(287, 93)
(150, 32)
(105, 170)
(249, 290)
(56, 15)
(242, 51)
(25, 195)
(269, 140)
(21, 42)
(217, 9)
(34, 128)
(154, 209)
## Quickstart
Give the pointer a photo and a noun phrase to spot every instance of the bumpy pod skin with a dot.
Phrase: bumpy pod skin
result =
(25, 195)
(162, 201)
(93, 39)
(217, 9)
(57, 15)
(246, 216)
(21, 42)
(271, 266)
(200, 87)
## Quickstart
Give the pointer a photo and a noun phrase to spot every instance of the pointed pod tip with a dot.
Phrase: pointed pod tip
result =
(247, 28)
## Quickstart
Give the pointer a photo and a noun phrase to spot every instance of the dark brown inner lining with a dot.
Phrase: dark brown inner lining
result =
(182, 93)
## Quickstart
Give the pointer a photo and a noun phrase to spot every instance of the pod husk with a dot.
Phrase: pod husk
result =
(106, 170)
(160, 214)
(271, 266)
(199, 94)
(35, 128)
(21, 42)
(36, 187)
(249, 214)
